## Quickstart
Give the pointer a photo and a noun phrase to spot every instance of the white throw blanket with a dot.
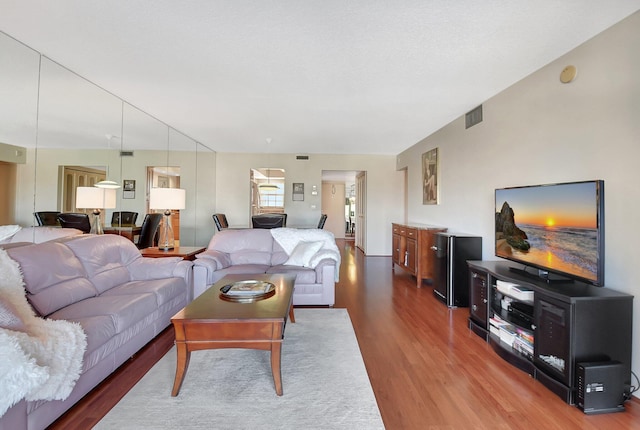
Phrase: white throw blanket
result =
(40, 359)
(288, 239)
(7, 231)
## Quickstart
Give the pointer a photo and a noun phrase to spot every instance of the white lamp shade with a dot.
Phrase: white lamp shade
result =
(95, 198)
(167, 198)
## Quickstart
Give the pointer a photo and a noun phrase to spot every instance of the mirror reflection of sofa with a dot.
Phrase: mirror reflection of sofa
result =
(16, 234)
(311, 254)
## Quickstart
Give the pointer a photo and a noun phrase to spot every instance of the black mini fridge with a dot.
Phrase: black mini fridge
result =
(452, 250)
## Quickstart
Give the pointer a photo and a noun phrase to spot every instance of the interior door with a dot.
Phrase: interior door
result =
(361, 204)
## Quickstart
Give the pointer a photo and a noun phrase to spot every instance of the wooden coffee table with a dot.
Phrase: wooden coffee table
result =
(210, 322)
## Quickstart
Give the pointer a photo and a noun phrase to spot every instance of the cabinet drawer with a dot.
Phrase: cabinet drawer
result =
(396, 229)
(412, 233)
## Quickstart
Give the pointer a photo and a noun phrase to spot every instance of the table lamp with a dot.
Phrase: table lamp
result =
(166, 199)
(96, 199)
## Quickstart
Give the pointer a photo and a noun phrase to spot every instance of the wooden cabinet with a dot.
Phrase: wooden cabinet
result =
(564, 324)
(412, 249)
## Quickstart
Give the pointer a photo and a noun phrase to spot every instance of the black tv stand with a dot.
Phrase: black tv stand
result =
(550, 334)
(544, 276)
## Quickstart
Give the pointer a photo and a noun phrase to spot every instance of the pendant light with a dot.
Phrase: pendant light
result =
(107, 183)
(268, 186)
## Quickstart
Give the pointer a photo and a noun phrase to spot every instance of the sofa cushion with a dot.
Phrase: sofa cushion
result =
(53, 276)
(105, 258)
(98, 328)
(164, 290)
(249, 256)
(302, 253)
(124, 310)
(231, 241)
(303, 275)
(61, 295)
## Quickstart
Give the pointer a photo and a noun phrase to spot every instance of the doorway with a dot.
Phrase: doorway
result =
(345, 219)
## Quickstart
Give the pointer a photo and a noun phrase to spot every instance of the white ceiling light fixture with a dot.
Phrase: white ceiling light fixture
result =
(107, 184)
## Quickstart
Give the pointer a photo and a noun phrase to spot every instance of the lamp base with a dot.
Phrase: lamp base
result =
(166, 241)
(96, 225)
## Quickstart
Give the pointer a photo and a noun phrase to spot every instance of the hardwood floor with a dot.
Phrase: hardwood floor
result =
(427, 369)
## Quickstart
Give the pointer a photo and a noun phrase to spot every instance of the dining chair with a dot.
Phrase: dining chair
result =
(148, 230)
(221, 221)
(269, 220)
(47, 218)
(120, 218)
(323, 219)
(75, 220)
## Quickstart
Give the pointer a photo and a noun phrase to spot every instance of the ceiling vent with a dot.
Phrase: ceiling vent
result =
(302, 157)
(473, 117)
(126, 153)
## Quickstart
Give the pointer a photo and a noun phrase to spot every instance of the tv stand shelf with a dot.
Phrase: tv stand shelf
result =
(569, 323)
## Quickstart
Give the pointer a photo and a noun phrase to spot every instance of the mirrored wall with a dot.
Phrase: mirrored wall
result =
(63, 119)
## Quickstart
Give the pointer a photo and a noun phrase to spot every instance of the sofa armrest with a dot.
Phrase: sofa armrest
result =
(208, 264)
(221, 259)
(325, 262)
(157, 268)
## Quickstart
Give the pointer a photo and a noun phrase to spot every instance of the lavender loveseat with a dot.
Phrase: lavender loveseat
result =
(255, 251)
(120, 299)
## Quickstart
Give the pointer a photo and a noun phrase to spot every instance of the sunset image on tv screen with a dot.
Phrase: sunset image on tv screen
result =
(553, 226)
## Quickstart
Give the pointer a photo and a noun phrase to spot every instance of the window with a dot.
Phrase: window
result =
(272, 198)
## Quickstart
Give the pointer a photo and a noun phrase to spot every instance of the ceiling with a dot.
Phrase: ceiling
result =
(307, 76)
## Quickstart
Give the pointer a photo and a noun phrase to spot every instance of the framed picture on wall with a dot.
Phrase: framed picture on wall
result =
(129, 185)
(129, 189)
(298, 191)
(430, 177)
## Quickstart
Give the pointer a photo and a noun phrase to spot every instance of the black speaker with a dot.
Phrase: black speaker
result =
(600, 387)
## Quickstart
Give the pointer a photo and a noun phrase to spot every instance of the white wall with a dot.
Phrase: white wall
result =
(542, 131)
(385, 187)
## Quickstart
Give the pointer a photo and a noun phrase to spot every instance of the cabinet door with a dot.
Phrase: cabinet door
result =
(479, 298)
(553, 346)
(411, 255)
(396, 249)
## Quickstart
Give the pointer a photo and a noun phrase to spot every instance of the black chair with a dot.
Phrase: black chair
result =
(49, 218)
(148, 231)
(75, 220)
(221, 221)
(124, 218)
(323, 219)
(269, 220)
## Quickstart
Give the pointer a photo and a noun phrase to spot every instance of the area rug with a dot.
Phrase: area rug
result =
(325, 385)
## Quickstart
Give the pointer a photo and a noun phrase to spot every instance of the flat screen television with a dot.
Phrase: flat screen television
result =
(556, 230)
